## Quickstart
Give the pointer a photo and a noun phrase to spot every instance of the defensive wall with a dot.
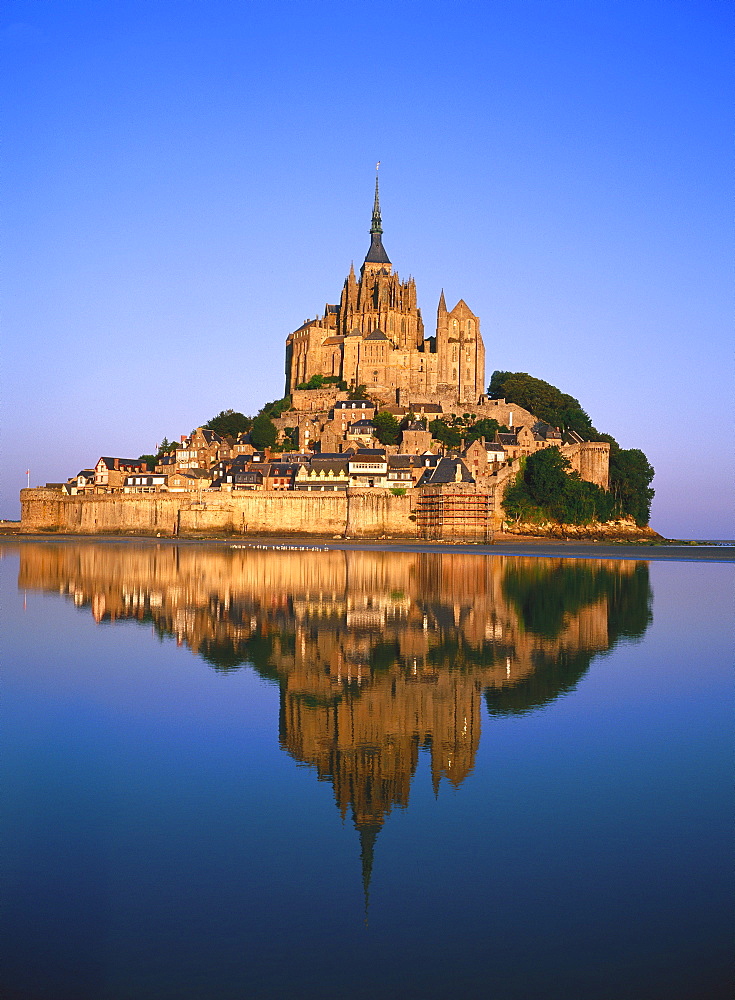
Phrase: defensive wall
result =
(591, 459)
(355, 513)
(368, 513)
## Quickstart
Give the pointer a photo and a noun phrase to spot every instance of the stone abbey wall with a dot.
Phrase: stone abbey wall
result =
(366, 513)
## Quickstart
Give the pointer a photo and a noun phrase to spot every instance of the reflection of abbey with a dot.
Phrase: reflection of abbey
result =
(378, 655)
(375, 337)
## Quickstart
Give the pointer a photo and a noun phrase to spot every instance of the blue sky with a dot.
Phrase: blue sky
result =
(185, 182)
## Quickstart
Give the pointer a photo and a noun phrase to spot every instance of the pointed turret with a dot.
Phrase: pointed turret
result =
(442, 310)
(377, 225)
(376, 254)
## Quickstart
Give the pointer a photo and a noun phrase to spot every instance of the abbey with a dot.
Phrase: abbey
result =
(375, 337)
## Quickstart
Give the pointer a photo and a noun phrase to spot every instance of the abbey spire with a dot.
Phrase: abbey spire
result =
(376, 254)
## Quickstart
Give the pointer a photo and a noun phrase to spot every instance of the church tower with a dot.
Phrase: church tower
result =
(375, 337)
(380, 301)
(461, 352)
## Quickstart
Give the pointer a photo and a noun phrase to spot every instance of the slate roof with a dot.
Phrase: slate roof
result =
(426, 407)
(354, 404)
(412, 461)
(115, 463)
(376, 254)
(376, 335)
(445, 472)
(281, 468)
(336, 466)
(210, 436)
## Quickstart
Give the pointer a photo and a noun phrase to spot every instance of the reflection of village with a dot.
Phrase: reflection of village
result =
(377, 654)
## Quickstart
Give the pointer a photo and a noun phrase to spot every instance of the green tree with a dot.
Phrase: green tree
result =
(276, 408)
(547, 489)
(448, 435)
(291, 438)
(630, 471)
(315, 382)
(542, 400)
(485, 428)
(150, 461)
(546, 475)
(386, 427)
(229, 422)
(630, 483)
(166, 446)
(263, 433)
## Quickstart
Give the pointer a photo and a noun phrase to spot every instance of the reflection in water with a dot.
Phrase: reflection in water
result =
(378, 655)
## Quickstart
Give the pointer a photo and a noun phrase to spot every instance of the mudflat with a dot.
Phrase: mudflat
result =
(511, 545)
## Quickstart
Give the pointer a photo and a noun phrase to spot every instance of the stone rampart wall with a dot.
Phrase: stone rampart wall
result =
(591, 459)
(357, 513)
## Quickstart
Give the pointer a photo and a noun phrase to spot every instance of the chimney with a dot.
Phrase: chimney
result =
(510, 418)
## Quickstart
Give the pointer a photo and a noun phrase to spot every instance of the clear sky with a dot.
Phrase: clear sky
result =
(185, 182)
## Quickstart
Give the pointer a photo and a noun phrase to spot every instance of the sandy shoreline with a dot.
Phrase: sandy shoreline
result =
(505, 545)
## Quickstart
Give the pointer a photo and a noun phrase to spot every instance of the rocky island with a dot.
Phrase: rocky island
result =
(383, 431)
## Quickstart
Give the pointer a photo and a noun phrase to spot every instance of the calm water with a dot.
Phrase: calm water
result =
(235, 773)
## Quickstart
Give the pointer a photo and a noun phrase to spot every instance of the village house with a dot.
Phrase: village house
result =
(368, 467)
(279, 475)
(150, 482)
(361, 432)
(447, 470)
(201, 449)
(80, 484)
(483, 457)
(109, 473)
(323, 475)
(189, 481)
(415, 438)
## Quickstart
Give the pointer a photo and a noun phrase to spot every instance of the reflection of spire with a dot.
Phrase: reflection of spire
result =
(368, 834)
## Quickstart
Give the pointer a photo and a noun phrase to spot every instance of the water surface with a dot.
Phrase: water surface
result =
(232, 772)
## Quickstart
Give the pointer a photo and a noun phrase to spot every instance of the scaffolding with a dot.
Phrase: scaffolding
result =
(449, 516)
